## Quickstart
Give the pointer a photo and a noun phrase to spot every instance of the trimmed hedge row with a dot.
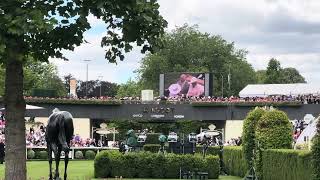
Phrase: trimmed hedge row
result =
(154, 148)
(152, 165)
(43, 155)
(234, 161)
(282, 164)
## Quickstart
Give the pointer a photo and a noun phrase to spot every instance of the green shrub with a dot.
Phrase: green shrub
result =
(274, 130)
(213, 150)
(78, 155)
(31, 154)
(154, 148)
(152, 138)
(157, 166)
(213, 166)
(280, 164)
(41, 155)
(286, 164)
(103, 163)
(172, 166)
(151, 165)
(234, 160)
(144, 167)
(248, 134)
(90, 154)
(316, 153)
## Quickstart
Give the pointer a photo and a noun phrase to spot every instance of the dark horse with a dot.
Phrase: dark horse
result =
(58, 136)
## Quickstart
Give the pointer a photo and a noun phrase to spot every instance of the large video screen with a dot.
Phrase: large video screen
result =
(184, 84)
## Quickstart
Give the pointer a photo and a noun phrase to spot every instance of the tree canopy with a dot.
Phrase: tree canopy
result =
(129, 89)
(41, 29)
(95, 88)
(186, 49)
(38, 75)
(276, 75)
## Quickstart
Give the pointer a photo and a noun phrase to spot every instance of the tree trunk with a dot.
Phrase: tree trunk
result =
(15, 159)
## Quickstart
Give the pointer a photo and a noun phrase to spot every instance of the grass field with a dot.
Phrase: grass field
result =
(77, 170)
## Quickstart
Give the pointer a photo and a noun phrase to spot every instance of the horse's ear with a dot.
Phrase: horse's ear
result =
(55, 110)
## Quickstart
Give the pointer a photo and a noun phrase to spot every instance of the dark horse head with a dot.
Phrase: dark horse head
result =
(58, 136)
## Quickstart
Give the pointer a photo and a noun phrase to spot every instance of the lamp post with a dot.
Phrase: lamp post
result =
(100, 79)
(87, 61)
(221, 84)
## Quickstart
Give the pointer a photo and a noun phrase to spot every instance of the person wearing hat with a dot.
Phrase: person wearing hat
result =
(195, 89)
(174, 90)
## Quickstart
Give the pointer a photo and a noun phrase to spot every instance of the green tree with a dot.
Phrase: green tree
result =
(37, 75)
(42, 75)
(291, 75)
(273, 72)
(276, 75)
(42, 29)
(129, 89)
(186, 49)
(261, 76)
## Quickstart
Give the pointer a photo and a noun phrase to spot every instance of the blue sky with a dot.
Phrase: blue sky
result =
(288, 30)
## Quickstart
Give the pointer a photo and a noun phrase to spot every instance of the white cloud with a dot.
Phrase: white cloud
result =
(288, 30)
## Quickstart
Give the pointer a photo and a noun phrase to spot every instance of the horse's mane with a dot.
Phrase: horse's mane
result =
(66, 114)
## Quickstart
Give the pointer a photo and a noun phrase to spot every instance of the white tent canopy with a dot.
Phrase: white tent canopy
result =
(29, 107)
(264, 90)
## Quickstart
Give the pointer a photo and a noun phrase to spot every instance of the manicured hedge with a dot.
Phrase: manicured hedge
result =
(316, 153)
(248, 134)
(31, 154)
(274, 130)
(90, 154)
(152, 165)
(234, 161)
(154, 148)
(153, 138)
(78, 155)
(41, 155)
(212, 150)
(281, 164)
(287, 165)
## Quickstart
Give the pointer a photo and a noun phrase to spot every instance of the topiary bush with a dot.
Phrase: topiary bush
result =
(90, 154)
(31, 154)
(41, 155)
(274, 130)
(78, 155)
(316, 153)
(103, 163)
(152, 165)
(248, 134)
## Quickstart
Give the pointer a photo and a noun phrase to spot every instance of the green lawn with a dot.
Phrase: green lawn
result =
(77, 170)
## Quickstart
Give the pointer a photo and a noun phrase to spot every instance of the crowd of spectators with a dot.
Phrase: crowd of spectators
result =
(298, 127)
(303, 99)
(233, 142)
(2, 125)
